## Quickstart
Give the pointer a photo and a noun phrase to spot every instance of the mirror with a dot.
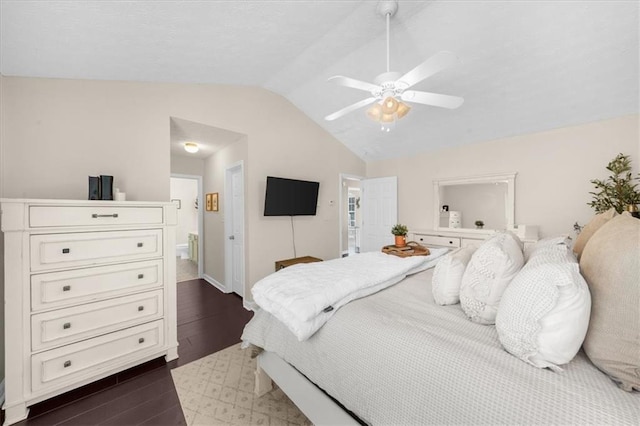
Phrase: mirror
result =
(479, 203)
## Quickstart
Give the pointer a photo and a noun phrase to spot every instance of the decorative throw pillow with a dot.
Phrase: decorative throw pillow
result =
(447, 276)
(544, 244)
(591, 228)
(610, 263)
(490, 270)
(544, 313)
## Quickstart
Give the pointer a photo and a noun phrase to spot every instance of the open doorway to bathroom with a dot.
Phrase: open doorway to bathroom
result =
(350, 215)
(185, 193)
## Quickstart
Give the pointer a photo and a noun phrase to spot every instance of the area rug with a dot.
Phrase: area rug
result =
(218, 390)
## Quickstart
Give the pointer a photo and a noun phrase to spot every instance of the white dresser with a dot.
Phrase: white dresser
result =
(461, 238)
(90, 290)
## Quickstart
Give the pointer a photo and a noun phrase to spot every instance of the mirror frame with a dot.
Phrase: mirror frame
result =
(510, 205)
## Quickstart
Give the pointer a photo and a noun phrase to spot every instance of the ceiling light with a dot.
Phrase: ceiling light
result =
(390, 105)
(402, 110)
(375, 112)
(191, 147)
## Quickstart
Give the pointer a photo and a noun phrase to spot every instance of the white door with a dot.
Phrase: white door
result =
(234, 229)
(379, 212)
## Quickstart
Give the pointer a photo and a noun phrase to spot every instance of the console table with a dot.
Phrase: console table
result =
(281, 264)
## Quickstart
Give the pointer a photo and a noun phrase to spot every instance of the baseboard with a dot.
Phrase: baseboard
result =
(215, 283)
(1, 392)
(249, 306)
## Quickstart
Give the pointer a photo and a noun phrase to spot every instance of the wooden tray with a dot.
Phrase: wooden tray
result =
(411, 249)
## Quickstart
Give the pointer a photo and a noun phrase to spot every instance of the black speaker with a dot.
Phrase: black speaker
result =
(94, 188)
(106, 187)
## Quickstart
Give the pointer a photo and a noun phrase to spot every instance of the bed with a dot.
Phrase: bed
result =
(396, 357)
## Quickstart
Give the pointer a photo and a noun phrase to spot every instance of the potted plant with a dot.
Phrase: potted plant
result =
(479, 224)
(618, 190)
(400, 231)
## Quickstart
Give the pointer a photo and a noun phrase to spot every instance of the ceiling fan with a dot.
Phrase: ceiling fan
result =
(391, 85)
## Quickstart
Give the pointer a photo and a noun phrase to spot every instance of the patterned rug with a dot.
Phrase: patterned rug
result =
(218, 390)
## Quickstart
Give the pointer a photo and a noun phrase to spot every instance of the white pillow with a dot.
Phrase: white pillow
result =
(491, 269)
(544, 313)
(544, 243)
(447, 276)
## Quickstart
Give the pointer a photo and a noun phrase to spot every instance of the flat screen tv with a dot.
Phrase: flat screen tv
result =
(290, 197)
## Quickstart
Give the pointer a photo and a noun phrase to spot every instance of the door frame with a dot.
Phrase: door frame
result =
(228, 244)
(341, 214)
(198, 178)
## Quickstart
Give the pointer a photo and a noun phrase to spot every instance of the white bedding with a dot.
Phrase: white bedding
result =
(397, 358)
(306, 295)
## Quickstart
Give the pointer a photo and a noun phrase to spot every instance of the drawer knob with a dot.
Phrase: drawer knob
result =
(65, 251)
(140, 244)
(96, 215)
(67, 364)
(66, 288)
(140, 276)
(66, 325)
(140, 308)
(141, 340)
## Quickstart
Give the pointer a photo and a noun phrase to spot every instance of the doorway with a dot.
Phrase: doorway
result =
(186, 193)
(350, 214)
(368, 211)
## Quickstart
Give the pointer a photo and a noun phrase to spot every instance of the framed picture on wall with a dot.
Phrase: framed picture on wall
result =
(211, 202)
(214, 202)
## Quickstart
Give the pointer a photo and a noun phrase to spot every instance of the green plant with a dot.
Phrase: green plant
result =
(618, 190)
(399, 229)
(479, 223)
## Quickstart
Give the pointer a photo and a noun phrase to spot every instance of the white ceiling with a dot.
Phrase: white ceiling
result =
(209, 139)
(526, 66)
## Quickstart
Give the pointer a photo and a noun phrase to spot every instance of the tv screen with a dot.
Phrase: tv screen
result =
(290, 197)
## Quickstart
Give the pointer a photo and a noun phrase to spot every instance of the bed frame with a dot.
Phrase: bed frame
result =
(313, 402)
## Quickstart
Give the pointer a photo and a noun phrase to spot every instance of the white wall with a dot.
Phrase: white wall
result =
(214, 238)
(554, 172)
(185, 190)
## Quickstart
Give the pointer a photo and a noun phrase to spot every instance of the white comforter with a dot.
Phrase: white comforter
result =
(305, 296)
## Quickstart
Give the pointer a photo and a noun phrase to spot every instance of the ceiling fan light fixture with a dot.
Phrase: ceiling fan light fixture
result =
(191, 147)
(388, 118)
(402, 110)
(389, 105)
(375, 112)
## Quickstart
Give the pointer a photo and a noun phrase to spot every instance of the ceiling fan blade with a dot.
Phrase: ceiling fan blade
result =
(353, 83)
(433, 99)
(437, 62)
(350, 108)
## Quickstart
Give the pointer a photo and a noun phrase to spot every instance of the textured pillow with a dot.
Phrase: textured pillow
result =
(544, 313)
(544, 244)
(591, 228)
(490, 270)
(447, 276)
(611, 265)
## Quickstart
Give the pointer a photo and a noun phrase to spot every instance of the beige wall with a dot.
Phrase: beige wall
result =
(554, 172)
(2, 138)
(57, 132)
(214, 238)
(187, 166)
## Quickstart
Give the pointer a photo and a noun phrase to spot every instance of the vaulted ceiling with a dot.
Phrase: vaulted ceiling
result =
(525, 66)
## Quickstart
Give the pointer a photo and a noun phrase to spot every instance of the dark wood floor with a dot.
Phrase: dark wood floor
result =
(208, 321)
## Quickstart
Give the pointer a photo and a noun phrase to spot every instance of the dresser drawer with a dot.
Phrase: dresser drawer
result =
(70, 325)
(54, 290)
(58, 367)
(433, 240)
(57, 251)
(43, 216)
